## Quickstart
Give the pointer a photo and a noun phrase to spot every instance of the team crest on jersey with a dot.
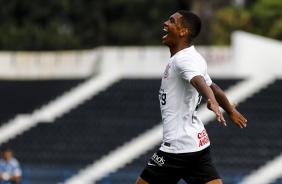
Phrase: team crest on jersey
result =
(166, 73)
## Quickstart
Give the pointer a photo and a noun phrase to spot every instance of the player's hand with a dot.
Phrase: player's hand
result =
(237, 117)
(215, 108)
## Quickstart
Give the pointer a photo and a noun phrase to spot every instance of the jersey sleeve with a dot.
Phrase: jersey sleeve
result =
(187, 69)
(208, 79)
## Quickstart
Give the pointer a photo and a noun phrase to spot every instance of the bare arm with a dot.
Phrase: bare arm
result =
(221, 98)
(15, 178)
(203, 89)
(223, 102)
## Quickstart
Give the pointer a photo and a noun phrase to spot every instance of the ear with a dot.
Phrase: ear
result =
(183, 32)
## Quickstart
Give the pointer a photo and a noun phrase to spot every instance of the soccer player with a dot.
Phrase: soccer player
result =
(185, 150)
(10, 172)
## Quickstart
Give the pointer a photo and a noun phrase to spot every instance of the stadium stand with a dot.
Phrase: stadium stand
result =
(22, 97)
(57, 150)
(245, 150)
(74, 140)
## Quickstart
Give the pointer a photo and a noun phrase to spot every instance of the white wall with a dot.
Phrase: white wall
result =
(42, 65)
(249, 55)
(131, 61)
(151, 61)
(256, 55)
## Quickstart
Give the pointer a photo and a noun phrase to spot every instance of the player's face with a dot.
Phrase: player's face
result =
(7, 155)
(173, 28)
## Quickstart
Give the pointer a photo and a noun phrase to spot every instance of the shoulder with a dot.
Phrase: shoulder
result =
(185, 54)
(186, 60)
(14, 162)
(190, 54)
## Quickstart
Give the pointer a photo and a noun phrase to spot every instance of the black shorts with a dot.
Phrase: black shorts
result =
(168, 168)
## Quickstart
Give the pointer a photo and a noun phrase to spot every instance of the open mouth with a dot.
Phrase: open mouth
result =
(165, 30)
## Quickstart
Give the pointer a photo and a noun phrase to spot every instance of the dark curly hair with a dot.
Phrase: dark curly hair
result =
(192, 22)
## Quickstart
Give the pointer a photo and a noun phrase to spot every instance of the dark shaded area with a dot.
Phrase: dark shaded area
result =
(23, 97)
(65, 24)
(237, 152)
(88, 132)
(71, 25)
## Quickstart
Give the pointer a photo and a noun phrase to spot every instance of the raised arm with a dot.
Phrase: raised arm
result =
(203, 89)
(223, 102)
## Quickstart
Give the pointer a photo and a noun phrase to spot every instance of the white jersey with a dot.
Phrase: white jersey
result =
(183, 131)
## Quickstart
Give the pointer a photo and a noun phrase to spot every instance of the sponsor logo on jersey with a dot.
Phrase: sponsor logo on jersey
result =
(166, 73)
(151, 164)
(203, 138)
(157, 159)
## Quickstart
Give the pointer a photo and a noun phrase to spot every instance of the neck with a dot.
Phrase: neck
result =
(177, 48)
(6, 160)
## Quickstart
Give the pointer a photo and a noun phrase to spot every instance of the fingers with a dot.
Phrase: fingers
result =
(241, 122)
(237, 117)
(220, 118)
(245, 120)
(241, 125)
(217, 112)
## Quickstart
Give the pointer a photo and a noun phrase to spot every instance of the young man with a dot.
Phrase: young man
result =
(10, 172)
(185, 153)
